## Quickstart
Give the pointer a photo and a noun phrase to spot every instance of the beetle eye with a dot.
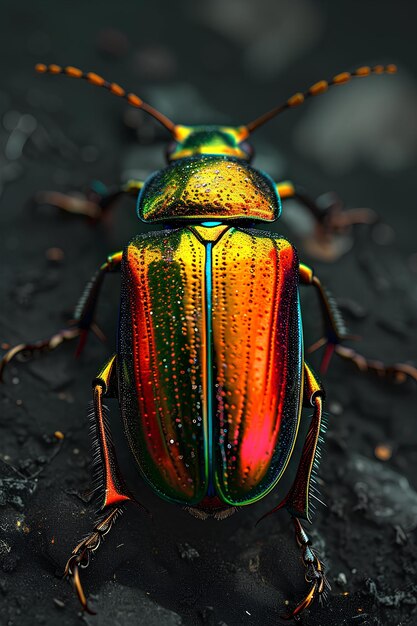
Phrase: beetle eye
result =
(247, 149)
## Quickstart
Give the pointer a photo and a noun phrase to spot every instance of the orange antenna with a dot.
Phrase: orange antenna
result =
(321, 87)
(114, 88)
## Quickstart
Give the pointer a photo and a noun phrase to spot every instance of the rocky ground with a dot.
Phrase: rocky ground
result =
(203, 62)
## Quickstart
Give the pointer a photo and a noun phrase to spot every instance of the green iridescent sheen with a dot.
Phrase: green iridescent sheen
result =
(168, 383)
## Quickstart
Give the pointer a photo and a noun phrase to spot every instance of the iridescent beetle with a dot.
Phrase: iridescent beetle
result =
(209, 370)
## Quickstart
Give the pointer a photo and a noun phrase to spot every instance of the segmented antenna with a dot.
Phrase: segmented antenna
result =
(114, 88)
(321, 87)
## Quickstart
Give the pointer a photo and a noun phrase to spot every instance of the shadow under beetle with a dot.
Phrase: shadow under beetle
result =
(209, 369)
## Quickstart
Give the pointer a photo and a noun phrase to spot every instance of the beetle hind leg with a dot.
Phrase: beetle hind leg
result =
(112, 491)
(297, 502)
(298, 499)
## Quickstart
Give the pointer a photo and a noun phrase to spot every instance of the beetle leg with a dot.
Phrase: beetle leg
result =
(336, 333)
(297, 501)
(330, 218)
(115, 494)
(80, 556)
(87, 304)
(399, 372)
(94, 204)
(82, 323)
(334, 326)
(314, 571)
(105, 384)
(23, 351)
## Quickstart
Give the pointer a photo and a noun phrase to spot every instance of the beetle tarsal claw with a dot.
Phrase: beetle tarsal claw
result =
(304, 604)
(75, 577)
(80, 557)
(314, 572)
(317, 590)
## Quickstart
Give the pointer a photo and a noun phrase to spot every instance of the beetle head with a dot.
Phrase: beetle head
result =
(210, 140)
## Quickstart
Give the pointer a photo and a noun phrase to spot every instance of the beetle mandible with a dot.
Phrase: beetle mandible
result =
(209, 369)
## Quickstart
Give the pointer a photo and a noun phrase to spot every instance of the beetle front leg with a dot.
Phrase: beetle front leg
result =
(94, 204)
(330, 216)
(331, 220)
(82, 323)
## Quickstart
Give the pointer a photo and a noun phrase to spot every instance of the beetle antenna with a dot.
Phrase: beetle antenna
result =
(321, 87)
(114, 88)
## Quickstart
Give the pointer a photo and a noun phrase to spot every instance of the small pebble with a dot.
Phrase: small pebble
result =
(59, 603)
(383, 452)
(187, 552)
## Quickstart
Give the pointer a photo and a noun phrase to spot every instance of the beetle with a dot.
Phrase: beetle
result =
(209, 368)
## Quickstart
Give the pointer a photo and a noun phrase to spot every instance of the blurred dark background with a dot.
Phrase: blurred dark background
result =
(215, 62)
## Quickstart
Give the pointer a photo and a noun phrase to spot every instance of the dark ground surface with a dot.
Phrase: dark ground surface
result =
(214, 62)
